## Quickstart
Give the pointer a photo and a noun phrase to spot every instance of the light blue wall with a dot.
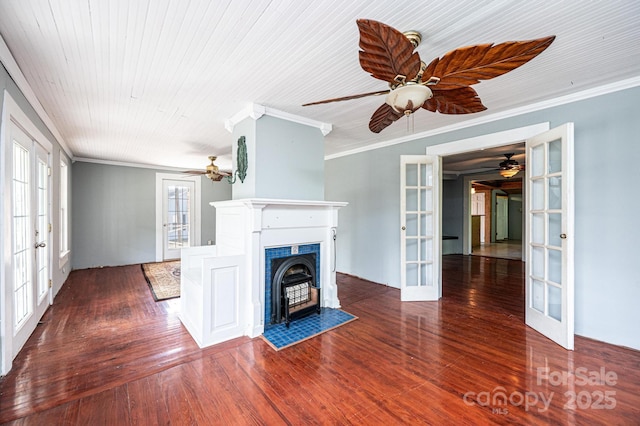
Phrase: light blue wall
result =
(211, 191)
(515, 217)
(452, 212)
(607, 152)
(286, 160)
(114, 210)
(246, 189)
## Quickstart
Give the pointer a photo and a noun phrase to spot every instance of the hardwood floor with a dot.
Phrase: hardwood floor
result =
(507, 249)
(106, 353)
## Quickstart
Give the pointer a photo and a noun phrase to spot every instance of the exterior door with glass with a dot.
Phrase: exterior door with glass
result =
(178, 206)
(549, 286)
(30, 236)
(420, 228)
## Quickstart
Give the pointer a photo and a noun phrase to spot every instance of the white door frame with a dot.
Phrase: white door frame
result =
(160, 177)
(492, 140)
(11, 112)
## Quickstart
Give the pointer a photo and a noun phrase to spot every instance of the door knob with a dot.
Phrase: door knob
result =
(563, 236)
(42, 244)
(404, 228)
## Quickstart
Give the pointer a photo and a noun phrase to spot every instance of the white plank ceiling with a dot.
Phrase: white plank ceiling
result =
(152, 81)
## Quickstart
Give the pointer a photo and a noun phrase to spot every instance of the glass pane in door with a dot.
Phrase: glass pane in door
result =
(22, 241)
(419, 251)
(555, 156)
(42, 229)
(178, 209)
(419, 224)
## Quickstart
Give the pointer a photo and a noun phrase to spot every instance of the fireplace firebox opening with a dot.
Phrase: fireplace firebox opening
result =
(294, 290)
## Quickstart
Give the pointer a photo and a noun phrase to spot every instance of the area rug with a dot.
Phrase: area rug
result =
(163, 279)
(278, 336)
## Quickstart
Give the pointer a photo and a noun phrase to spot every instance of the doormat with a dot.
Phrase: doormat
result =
(163, 279)
(278, 336)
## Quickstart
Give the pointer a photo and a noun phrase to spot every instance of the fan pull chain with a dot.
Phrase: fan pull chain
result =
(410, 124)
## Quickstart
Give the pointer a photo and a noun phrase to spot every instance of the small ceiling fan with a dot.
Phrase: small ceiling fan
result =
(444, 85)
(509, 168)
(211, 171)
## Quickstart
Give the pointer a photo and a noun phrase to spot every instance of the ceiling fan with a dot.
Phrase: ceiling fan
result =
(211, 171)
(509, 168)
(444, 85)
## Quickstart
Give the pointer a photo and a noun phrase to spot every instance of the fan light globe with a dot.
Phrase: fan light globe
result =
(408, 98)
(507, 173)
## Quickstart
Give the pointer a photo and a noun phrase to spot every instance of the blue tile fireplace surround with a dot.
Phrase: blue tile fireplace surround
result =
(282, 252)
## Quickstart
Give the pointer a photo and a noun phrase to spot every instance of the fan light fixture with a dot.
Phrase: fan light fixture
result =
(509, 168)
(507, 173)
(408, 98)
(389, 55)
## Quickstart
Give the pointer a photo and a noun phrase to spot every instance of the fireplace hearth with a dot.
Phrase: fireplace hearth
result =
(294, 289)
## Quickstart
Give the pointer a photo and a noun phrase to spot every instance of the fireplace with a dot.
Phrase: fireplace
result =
(294, 289)
(226, 288)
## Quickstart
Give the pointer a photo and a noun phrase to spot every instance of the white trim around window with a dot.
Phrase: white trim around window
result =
(65, 234)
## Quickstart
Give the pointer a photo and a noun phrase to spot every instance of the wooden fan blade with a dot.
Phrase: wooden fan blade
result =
(386, 52)
(463, 100)
(195, 172)
(383, 117)
(346, 98)
(469, 65)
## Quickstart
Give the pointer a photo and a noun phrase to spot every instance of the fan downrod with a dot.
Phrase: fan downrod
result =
(414, 37)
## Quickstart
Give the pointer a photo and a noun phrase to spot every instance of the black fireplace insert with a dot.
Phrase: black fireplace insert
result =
(294, 289)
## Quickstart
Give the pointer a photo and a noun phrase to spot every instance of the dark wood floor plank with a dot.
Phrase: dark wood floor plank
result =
(110, 407)
(107, 353)
(146, 402)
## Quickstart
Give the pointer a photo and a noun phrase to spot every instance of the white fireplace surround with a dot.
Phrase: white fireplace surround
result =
(223, 286)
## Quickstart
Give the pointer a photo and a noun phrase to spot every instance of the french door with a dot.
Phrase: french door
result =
(549, 286)
(420, 228)
(30, 235)
(178, 210)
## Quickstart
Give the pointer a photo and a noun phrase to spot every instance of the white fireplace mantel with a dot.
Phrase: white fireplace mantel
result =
(245, 228)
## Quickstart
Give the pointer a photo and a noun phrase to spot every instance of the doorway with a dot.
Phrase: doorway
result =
(496, 216)
(549, 284)
(422, 237)
(178, 214)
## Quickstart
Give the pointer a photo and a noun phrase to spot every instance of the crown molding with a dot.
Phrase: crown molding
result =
(126, 164)
(255, 111)
(561, 100)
